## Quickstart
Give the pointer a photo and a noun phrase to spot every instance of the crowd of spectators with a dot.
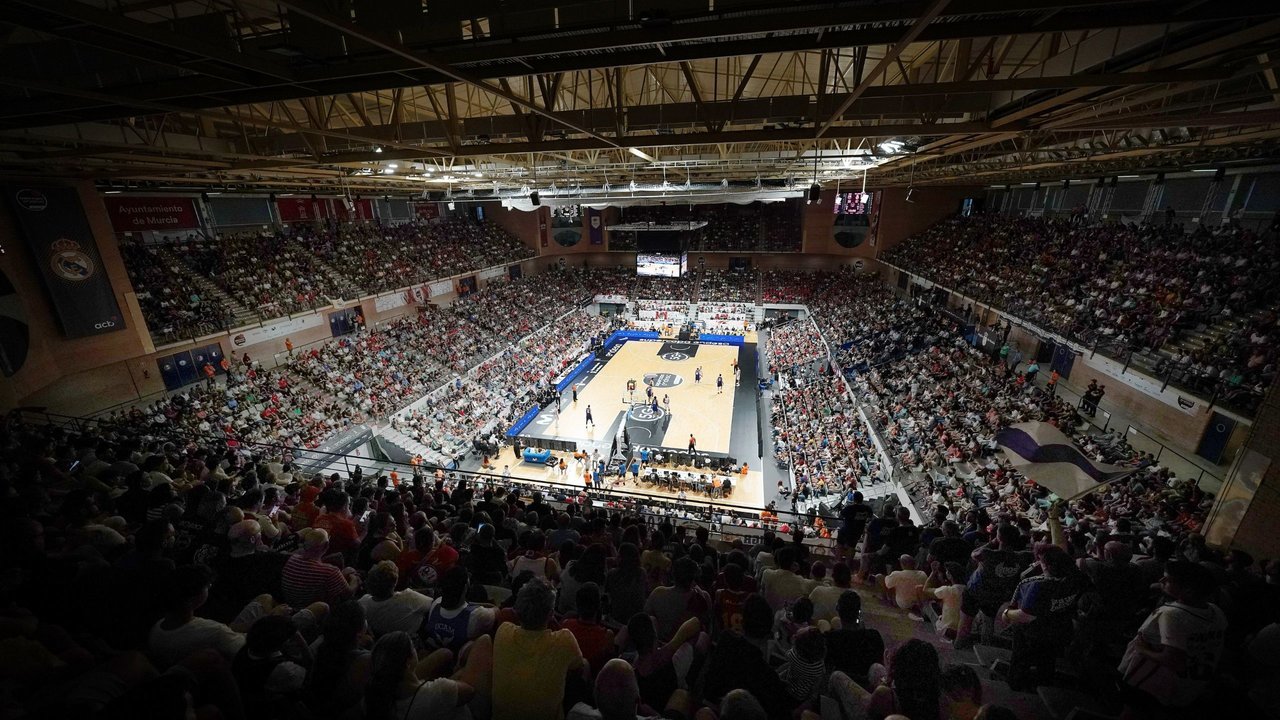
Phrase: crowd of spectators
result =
(281, 272)
(172, 306)
(171, 560)
(649, 287)
(481, 404)
(165, 576)
(1124, 286)
(796, 343)
(252, 405)
(792, 286)
(739, 286)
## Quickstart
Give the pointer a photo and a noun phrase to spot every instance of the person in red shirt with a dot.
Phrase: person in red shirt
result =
(595, 640)
(336, 520)
(209, 373)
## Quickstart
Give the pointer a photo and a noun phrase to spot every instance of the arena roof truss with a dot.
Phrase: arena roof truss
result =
(402, 96)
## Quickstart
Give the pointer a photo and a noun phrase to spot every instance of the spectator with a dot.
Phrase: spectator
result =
(530, 662)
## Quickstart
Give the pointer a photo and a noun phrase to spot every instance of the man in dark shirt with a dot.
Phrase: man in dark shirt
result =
(1041, 614)
(853, 649)
(853, 521)
(951, 547)
(999, 569)
(878, 530)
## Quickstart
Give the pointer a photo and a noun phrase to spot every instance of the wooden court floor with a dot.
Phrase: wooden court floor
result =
(696, 408)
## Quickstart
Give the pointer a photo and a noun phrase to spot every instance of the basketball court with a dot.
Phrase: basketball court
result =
(721, 420)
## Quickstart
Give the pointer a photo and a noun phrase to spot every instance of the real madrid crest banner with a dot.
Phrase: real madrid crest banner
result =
(64, 250)
(595, 226)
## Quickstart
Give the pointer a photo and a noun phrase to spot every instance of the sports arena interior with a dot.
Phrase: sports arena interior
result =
(691, 359)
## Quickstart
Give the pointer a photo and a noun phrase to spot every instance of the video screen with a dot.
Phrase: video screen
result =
(658, 265)
(853, 203)
(684, 264)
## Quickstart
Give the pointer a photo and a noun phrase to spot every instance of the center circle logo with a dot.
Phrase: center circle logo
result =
(646, 413)
(674, 356)
(662, 380)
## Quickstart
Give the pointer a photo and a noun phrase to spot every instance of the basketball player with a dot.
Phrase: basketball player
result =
(737, 375)
(666, 402)
(693, 444)
(590, 420)
(719, 384)
(697, 376)
(575, 393)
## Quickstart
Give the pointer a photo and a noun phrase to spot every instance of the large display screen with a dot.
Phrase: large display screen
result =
(658, 265)
(684, 264)
(853, 203)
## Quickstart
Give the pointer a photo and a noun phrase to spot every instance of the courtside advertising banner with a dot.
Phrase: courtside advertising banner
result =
(62, 245)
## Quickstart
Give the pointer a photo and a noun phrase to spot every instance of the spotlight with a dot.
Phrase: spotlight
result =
(815, 193)
(533, 198)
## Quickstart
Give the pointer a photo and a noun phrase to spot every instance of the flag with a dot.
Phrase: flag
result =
(1049, 458)
(595, 226)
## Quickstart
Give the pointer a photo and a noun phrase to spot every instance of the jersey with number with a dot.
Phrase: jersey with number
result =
(1198, 632)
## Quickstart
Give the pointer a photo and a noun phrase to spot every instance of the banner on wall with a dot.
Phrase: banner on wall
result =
(384, 303)
(151, 213)
(443, 287)
(301, 209)
(595, 226)
(62, 245)
(361, 209)
(279, 329)
(544, 232)
(494, 272)
(427, 210)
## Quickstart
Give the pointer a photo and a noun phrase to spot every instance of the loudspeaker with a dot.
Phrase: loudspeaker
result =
(533, 198)
(1219, 175)
(1066, 184)
(815, 193)
(1159, 179)
(1115, 180)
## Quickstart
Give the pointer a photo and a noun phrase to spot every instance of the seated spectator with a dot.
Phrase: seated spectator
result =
(451, 620)
(387, 609)
(661, 668)
(530, 662)
(336, 680)
(595, 640)
(403, 688)
(670, 606)
(307, 578)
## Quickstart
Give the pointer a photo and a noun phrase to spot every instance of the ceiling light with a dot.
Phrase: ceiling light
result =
(476, 174)
(393, 166)
(1205, 170)
(377, 149)
(387, 171)
(112, 192)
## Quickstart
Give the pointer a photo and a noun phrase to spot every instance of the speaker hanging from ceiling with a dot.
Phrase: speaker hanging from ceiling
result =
(533, 198)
